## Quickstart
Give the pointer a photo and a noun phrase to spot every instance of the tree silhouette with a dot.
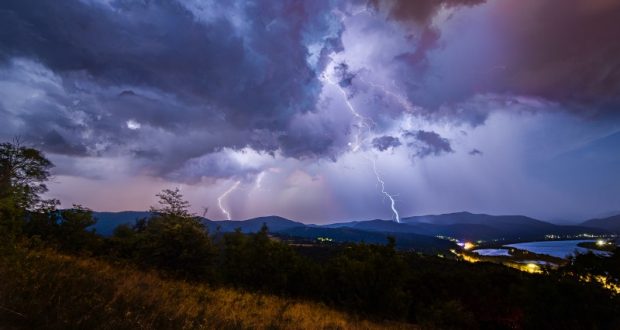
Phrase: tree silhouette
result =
(23, 173)
(172, 238)
(171, 203)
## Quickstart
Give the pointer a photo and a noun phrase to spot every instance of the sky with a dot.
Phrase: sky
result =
(320, 111)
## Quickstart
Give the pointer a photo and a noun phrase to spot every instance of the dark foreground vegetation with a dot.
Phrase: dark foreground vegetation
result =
(167, 271)
(44, 289)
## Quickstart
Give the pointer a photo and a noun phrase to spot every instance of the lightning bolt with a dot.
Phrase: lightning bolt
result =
(382, 183)
(221, 198)
(259, 180)
(364, 123)
(403, 101)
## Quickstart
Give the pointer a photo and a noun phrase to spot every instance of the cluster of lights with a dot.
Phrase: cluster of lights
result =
(466, 245)
(448, 238)
(601, 242)
(532, 268)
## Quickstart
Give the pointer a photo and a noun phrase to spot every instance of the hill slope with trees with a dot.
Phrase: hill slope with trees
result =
(168, 271)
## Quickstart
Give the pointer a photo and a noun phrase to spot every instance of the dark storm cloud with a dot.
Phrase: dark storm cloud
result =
(344, 75)
(258, 79)
(475, 152)
(427, 143)
(427, 40)
(331, 45)
(568, 51)
(419, 11)
(562, 51)
(56, 143)
(212, 166)
(386, 142)
(305, 144)
(217, 81)
(416, 68)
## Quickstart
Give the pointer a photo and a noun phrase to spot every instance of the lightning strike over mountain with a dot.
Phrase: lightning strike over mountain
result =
(363, 123)
(382, 183)
(221, 198)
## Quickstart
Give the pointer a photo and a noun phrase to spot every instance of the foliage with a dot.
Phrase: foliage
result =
(261, 263)
(46, 290)
(23, 172)
(65, 229)
(171, 239)
(591, 263)
(171, 204)
(372, 280)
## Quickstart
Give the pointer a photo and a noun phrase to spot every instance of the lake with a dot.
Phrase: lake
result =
(559, 249)
(492, 252)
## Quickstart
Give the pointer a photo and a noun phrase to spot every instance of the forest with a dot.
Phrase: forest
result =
(57, 272)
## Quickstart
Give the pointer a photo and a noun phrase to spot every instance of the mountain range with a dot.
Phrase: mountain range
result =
(417, 232)
(611, 224)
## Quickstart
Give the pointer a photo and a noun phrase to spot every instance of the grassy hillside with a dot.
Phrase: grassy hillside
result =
(45, 289)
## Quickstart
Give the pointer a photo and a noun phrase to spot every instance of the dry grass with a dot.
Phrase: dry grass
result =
(58, 291)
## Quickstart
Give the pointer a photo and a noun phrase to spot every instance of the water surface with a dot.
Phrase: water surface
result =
(559, 249)
(493, 252)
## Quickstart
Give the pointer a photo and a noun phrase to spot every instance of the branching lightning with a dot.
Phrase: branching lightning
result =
(364, 123)
(223, 196)
(403, 101)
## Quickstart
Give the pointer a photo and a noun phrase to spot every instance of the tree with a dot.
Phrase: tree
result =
(23, 173)
(173, 239)
(73, 234)
(171, 204)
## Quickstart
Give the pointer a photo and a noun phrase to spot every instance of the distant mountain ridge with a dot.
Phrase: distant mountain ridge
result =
(470, 226)
(108, 221)
(460, 225)
(609, 223)
(274, 223)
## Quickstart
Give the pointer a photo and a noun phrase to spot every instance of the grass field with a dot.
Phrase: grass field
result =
(44, 289)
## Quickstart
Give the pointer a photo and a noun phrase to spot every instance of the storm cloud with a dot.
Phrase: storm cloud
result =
(560, 51)
(568, 51)
(385, 142)
(420, 11)
(426, 143)
(293, 98)
(242, 75)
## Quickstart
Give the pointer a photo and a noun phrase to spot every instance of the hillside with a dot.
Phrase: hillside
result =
(472, 218)
(413, 232)
(470, 226)
(404, 240)
(610, 223)
(274, 223)
(107, 221)
(45, 289)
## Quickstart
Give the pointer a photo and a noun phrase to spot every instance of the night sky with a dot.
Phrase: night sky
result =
(291, 107)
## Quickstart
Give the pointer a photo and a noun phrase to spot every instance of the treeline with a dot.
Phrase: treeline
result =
(371, 280)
